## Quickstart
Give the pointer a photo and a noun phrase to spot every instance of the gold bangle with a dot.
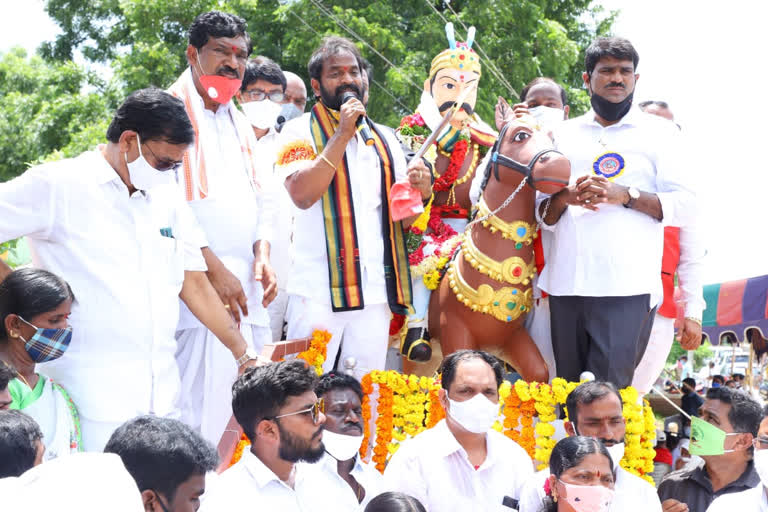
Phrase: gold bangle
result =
(694, 319)
(327, 161)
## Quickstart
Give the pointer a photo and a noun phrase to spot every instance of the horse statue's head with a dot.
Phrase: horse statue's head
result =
(525, 151)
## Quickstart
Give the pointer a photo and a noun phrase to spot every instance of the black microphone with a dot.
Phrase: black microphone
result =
(361, 123)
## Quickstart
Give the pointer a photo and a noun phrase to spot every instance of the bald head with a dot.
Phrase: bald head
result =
(295, 90)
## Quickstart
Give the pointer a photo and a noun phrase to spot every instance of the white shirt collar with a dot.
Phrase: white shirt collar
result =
(261, 474)
(445, 444)
(629, 119)
(101, 169)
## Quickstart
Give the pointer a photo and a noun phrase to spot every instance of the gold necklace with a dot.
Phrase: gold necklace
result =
(512, 270)
(23, 380)
(519, 231)
(505, 304)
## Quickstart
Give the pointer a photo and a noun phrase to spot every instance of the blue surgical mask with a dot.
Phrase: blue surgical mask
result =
(47, 344)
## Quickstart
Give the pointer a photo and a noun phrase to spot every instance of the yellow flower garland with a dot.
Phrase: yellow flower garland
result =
(318, 350)
(408, 405)
(411, 406)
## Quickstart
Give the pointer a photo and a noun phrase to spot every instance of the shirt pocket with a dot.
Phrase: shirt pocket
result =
(170, 261)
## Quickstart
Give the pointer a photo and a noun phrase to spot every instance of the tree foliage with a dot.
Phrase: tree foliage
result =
(47, 109)
(145, 41)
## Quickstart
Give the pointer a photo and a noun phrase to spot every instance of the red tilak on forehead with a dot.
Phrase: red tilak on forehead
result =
(235, 48)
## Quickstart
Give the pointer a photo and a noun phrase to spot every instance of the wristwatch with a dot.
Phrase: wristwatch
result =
(634, 195)
(250, 355)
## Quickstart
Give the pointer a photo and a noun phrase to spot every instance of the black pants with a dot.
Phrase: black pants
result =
(605, 335)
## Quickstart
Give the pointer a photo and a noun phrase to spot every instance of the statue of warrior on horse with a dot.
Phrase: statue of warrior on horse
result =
(486, 265)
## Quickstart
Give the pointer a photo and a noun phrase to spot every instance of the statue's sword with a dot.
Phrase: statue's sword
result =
(446, 119)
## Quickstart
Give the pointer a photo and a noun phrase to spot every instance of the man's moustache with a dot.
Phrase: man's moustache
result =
(464, 106)
(617, 84)
(226, 70)
(351, 88)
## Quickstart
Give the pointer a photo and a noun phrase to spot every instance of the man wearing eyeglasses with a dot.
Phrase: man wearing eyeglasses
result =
(755, 498)
(281, 416)
(261, 97)
(112, 224)
(229, 189)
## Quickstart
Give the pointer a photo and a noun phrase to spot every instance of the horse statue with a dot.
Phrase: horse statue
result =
(487, 290)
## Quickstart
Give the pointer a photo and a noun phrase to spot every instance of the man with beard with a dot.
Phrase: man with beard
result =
(595, 410)
(280, 414)
(357, 481)
(627, 179)
(229, 189)
(351, 279)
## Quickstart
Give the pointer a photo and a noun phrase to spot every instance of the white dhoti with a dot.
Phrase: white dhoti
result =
(277, 310)
(538, 326)
(655, 357)
(362, 334)
(208, 370)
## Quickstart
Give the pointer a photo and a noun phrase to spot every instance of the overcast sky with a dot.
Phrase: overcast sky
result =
(707, 59)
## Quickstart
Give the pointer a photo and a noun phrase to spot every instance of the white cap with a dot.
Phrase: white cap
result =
(587, 375)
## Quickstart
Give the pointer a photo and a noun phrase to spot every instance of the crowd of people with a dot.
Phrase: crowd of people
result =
(220, 217)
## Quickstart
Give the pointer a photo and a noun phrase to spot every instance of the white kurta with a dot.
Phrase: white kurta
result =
(364, 332)
(434, 468)
(126, 276)
(235, 214)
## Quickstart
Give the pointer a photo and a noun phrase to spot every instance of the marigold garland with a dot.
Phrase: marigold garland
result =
(318, 350)
(408, 405)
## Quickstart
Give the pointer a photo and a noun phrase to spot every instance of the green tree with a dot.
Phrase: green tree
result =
(145, 41)
(47, 109)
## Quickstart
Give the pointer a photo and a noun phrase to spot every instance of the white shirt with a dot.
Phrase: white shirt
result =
(251, 485)
(82, 225)
(616, 251)
(632, 493)
(309, 277)
(281, 246)
(434, 468)
(689, 270)
(751, 500)
(234, 215)
(365, 474)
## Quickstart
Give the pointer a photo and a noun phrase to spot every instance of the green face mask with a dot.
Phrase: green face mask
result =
(707, 439)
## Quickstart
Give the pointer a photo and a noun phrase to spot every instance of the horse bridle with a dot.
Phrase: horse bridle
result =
(526, 170)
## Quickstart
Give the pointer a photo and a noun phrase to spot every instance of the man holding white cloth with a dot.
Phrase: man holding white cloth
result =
(229, 192)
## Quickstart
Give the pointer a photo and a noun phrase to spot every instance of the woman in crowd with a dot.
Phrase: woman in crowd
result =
(34, 307)
(394, 502)
(581, 477)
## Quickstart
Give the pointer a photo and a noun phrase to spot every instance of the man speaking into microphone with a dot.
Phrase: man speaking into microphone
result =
(350, 267)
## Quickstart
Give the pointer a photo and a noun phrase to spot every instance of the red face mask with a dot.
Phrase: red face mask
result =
(219, 88)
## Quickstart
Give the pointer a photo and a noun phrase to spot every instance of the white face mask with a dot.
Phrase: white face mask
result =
(262, 114)
(477, 414)
(143, 176)
(761, 465)
(341, 447)
(547, 116)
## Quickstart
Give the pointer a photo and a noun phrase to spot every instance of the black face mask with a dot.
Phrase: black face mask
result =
(608, 110)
